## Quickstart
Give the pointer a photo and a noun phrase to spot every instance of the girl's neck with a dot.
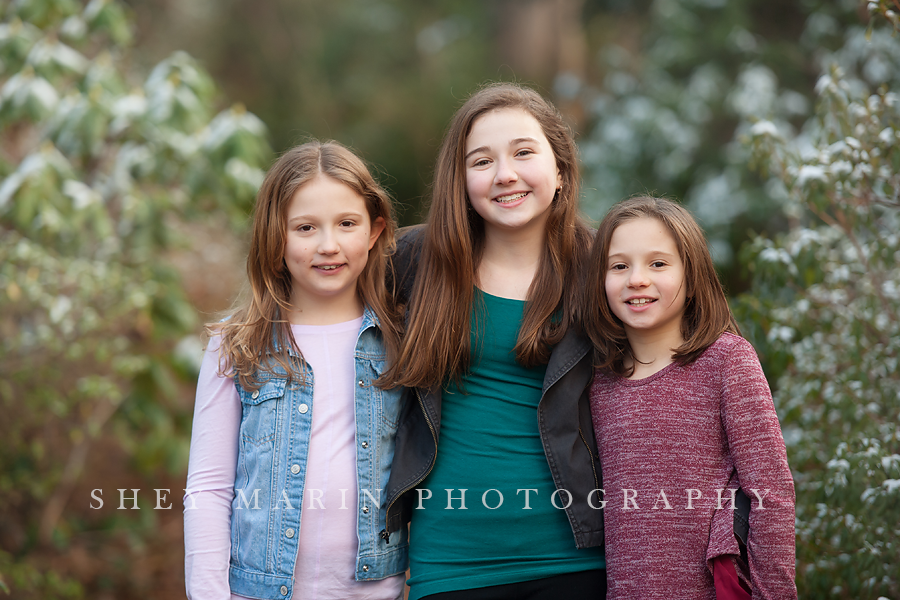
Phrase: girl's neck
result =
(325, 311)
(509, 263)
(651, 352)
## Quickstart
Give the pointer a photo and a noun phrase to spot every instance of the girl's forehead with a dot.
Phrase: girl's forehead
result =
(510, 120)
(641, 230)
(324, 193)
(645, 222)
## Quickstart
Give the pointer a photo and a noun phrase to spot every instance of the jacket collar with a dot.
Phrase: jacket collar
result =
(571, 349)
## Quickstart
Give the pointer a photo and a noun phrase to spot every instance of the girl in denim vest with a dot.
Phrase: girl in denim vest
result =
(292, 439)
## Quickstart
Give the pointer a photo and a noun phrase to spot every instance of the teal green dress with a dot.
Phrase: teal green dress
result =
(509, 531)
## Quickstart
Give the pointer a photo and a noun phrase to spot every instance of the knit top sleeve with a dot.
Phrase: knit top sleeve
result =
(757, 447)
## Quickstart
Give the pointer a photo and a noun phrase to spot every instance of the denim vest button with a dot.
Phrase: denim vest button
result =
(284, 590)
(361, 383)
(255, 394)
(365, 445)
(366, 568)
(289, 533)
(303, 408)
(366, 509)
(295, 469)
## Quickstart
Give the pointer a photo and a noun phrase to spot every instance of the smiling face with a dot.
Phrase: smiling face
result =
(329, 235)
(511, 172)
(645, 280)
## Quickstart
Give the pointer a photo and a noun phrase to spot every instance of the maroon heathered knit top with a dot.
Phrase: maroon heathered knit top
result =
(668, 442)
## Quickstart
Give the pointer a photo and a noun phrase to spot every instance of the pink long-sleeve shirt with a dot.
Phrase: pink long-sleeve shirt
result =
(328, 542)
(668, 443)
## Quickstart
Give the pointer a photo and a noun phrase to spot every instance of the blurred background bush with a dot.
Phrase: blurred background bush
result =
(134, 136)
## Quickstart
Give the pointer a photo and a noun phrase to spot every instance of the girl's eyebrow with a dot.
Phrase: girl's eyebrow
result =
(313, 217)
(476, 151)
(348, 215)
(520, 140)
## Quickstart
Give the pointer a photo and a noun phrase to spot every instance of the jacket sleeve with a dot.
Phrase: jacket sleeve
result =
(210, 482)
(758, 450)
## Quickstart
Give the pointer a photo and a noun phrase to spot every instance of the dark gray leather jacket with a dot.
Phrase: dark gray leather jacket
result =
(564, 420)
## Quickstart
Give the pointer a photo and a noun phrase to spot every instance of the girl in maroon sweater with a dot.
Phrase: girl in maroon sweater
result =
(683, 416)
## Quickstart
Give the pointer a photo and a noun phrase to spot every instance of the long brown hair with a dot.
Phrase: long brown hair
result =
(256, 327)
(437, 341)
(706, 313)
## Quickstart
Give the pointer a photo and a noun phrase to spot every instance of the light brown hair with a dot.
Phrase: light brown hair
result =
(706, 312)
(437, 341)
(256, 327)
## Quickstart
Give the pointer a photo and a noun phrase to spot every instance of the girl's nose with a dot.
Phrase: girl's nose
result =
(505, 173)
(328, 244)
(638, 278)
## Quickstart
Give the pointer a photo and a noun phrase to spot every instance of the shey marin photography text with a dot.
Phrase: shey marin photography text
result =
(456, 499)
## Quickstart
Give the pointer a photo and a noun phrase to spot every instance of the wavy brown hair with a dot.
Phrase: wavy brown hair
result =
(256, 327)
(437, 340)
(706, 312)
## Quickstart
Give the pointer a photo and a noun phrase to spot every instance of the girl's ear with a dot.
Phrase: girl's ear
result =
(378, 226)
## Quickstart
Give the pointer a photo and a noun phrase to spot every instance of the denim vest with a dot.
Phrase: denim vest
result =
(271, 470)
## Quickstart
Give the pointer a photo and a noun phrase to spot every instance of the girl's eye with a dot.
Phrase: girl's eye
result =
(524, 152)
(347, 223)
(618, 267)
(658, 264)
(304, 228)
(480, 162)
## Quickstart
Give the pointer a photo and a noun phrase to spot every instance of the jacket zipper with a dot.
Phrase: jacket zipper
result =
(384, 532)
(591, 454)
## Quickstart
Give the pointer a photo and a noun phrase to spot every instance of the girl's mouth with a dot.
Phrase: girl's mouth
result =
(510, 198)
(639, 301)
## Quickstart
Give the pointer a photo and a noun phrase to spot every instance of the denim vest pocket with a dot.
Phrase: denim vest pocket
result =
(258, 414)
(272, 388)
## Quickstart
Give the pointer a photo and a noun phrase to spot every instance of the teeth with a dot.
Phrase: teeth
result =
(510, 198)
(640, 301)
(329, 267)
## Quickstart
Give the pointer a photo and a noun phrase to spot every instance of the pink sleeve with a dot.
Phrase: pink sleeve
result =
(210, 482)
(757, 446)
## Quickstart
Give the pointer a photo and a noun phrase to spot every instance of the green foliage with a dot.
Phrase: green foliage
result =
(827, 293)
(100, 169)
(382, 76)
(676, 82)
